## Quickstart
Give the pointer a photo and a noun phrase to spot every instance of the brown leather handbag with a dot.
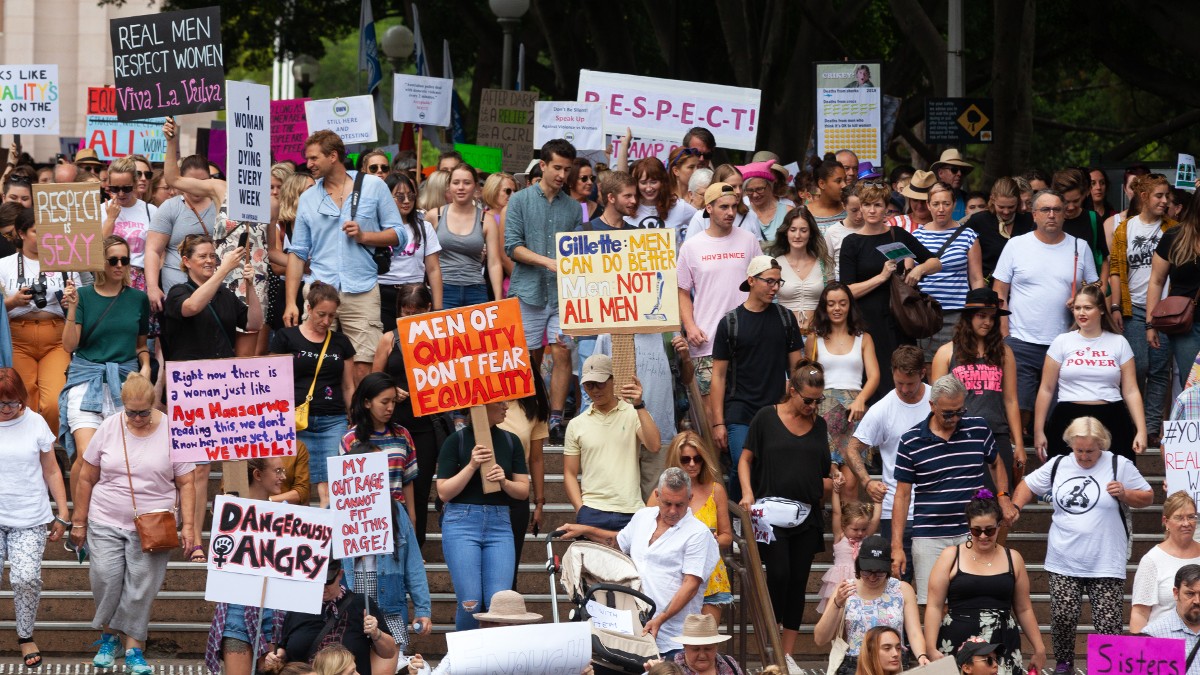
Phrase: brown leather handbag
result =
(1173, 314)
(156, 529)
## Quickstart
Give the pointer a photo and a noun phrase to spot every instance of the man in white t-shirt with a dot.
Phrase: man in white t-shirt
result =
(711, 269)
(882, 426)
(1034, 278)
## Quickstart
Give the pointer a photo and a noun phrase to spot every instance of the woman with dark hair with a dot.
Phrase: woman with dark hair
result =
(527, 418)
(829, 177)
(580, 181)
(416, 263)
(658, 205)
(467, 239)
(371, 410)
(804, 263)
(786, 456)
(985, 591)
(411, 299)
(159, 191)
(1177, 260)
(10, 212)
(883, 652)
(323, 376)
(840, 343)
(1097, 197)
(682, 163)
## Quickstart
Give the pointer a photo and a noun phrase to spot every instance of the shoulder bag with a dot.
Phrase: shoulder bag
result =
(382, 255)
(156, 529)
(301, 412)
(1173, 314)
(837, 650)
(917, 313)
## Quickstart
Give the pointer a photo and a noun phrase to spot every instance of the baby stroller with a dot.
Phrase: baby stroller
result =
(592, 571)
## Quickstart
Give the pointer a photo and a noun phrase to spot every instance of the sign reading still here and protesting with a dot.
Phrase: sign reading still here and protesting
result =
(352, 118)
(170, 63)
(656, 108)
(465, 357)
(248, 158)
(29, 100)
(1134, 655)
(360, 495)
(68, 217)
(271, 550)
(617, 282)
(228, 409)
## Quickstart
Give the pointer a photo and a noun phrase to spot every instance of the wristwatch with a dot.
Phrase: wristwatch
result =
(640, 406)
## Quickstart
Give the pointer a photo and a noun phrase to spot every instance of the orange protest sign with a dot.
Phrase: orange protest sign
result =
(464, 357)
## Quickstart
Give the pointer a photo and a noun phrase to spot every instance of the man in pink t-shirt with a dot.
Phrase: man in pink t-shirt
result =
(711, 268)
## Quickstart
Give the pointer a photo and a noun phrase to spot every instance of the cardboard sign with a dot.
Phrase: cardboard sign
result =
(170, 63)
(617, 282)
(352, 118)
(29, 100)
(1181, 456)
(943, 666)
(582, 124)
(1134, 655)
(422, 100)
(248, 163)
(506, 122)
(656, 108)
(283, 546)
(481, 157)
(231, 408)
(538, 649)
(362, 504)
(113, 139)
(465, 357)
(289, 129)
(849, 105)
(68, 217)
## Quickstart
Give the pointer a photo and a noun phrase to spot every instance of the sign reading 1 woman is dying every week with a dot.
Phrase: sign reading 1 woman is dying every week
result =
(617, 282)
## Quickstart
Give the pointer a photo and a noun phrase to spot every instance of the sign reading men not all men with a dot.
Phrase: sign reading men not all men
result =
(352, 118)
(29, 98)
(580, 123)
(849, 110)
(68, 218)
(361, 498)
(422, 100)
(617, 282)
(248, 161)
(171, 63)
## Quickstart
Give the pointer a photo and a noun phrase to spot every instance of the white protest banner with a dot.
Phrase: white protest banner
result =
(656, 108)
(287, 545)
(608, 618)
(29, 98)
(763, 532)
(362, 505)
(849, 105)
(352, 118)
(1185, 172)
(1181, 456)
(422, 100)
(641, 148)
(580, 123)
(538, 649)
(248, 157)
(231, 409)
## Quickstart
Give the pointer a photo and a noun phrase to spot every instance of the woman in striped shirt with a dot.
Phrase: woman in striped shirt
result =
(962, 263)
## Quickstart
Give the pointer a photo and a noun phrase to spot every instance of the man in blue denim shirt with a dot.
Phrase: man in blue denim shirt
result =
(535, 215)
(338, 249)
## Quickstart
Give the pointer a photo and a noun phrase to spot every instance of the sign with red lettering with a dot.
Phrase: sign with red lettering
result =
(229, 409)
(362, 505)
(289, 129)
(464, 357)
(68, 217)
(1181, 455)
(619, 281)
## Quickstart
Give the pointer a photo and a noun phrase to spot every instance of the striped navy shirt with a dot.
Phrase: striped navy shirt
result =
(944, 474)
(949, 287)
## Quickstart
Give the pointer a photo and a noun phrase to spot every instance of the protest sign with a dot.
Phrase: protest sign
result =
(68, 217)
(231, 408)
(113, 139)
(352, 118)
(1181, 455)
(848, 110)
(540, 649)
(582, 124)
(656, 108)
(102, 101)
(271, 549)
(289, 129)
(946, 666)
(1185, 172)
(248, 161)
(483, 158)
(170, 63)
(29, 100)
(1134, 655)
(422, 100)
(465, 357)
(506, 122)
(362, 504)
(640, 148)
(617, 282)
(608, 618)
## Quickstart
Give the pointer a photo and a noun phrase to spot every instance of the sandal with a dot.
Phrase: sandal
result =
(32, 659)
(197, 554)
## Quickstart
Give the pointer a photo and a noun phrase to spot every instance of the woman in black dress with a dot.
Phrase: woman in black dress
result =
(868, 274)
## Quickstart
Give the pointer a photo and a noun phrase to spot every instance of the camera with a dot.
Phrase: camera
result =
(38, 290)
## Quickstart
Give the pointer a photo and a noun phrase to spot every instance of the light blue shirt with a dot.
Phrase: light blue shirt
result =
(335, 258)
(1171, 626)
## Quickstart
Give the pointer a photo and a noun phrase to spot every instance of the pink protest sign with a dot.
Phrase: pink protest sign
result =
(289, 128)
(362, 504)
(229, 409)
(1134, 655)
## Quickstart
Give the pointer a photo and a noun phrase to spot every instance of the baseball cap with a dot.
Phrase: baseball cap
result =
(874, 555)
(715, 192)
(597, 368)
(974, 646)
(758, 265)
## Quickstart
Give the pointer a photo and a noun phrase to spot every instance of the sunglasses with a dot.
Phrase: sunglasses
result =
(10, 405)
(872, 183)
(985, 531)
(508, 191)
(587, 179)
(121, 189)
(811, 401)
(989, 659)
(378, 168)
(955, 169)
(131, 414)
(693, 459)
(218, 175)
(404, 196)
(114, 260)
(144, 174)
(951, 414)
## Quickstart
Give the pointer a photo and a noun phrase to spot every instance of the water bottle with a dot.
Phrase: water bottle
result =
(416, 627)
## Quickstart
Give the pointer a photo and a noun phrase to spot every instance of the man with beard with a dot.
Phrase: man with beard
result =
(618, 196)
(1184, 622)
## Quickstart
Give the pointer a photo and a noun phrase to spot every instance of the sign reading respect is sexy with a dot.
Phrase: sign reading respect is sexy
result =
(68, 217)
(170, 63)
(617, 282)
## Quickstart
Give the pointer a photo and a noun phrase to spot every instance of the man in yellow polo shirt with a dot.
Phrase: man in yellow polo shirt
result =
(603, 442)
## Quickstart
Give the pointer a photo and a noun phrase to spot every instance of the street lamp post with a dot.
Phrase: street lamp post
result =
(305, 70)
(397, 45)
(508, 14)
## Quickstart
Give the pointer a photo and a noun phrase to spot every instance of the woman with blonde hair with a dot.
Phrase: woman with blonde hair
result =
(497, 190)
(882, 652)
(290, 188)
(432, 195)
(959, 250)
(334, 660)
(1155, 576)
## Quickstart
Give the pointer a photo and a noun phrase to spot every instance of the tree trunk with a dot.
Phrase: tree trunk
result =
(1012, 89)
(925, 37)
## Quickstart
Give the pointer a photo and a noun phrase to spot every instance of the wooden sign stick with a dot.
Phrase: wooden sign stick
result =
(624, 359)
(483, 436)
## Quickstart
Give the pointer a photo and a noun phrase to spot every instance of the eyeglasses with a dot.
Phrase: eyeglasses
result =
(984, 531)
(693, 459)
(1190, 518)
(872, 574)
(773, 283)
(754, 192)
(378, 168)
(131, 414)
(595, 385)
(144, 174)
(508, 191)
(121, 189)
(404, 196)
(1047, 210)
(113, 260)
(951, 414)
(811, 401)
(10, 405)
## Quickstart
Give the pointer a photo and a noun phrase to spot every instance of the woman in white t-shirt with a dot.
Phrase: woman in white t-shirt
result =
(128, 217)
(1155, 576)
(416, 263)
(657, 204)
(1092, 367)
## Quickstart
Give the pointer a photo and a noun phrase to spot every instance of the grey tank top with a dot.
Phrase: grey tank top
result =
(461, 257)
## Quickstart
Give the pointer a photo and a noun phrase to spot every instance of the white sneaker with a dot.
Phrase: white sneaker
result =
(793, 669)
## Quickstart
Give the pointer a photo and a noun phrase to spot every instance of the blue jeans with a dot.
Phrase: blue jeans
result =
(477, 542)
(454, 297)
(1185, 347)
(323, 438)
(736, 434)
(1153, 373)
(1029, 358)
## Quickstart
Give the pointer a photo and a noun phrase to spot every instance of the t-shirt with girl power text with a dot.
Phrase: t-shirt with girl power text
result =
(1090, 368)
(131, 224)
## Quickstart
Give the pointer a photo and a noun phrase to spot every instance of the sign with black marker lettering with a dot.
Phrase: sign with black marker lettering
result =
(248, 159)
(170, 63)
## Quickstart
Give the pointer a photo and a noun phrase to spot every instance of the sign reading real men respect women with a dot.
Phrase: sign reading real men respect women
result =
(170, 63)
(617, 282)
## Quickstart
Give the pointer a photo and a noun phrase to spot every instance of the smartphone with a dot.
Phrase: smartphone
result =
(244, 239)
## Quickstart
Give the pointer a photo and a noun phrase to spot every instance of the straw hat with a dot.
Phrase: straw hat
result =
(700, 629)
(952, 157)
(918, 186)
(508, 607)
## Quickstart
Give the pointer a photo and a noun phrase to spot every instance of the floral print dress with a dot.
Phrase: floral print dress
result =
(981, 605)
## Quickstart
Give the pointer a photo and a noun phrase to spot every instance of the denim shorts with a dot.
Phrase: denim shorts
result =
(723, 598)
(235, 623)
(323, 437)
